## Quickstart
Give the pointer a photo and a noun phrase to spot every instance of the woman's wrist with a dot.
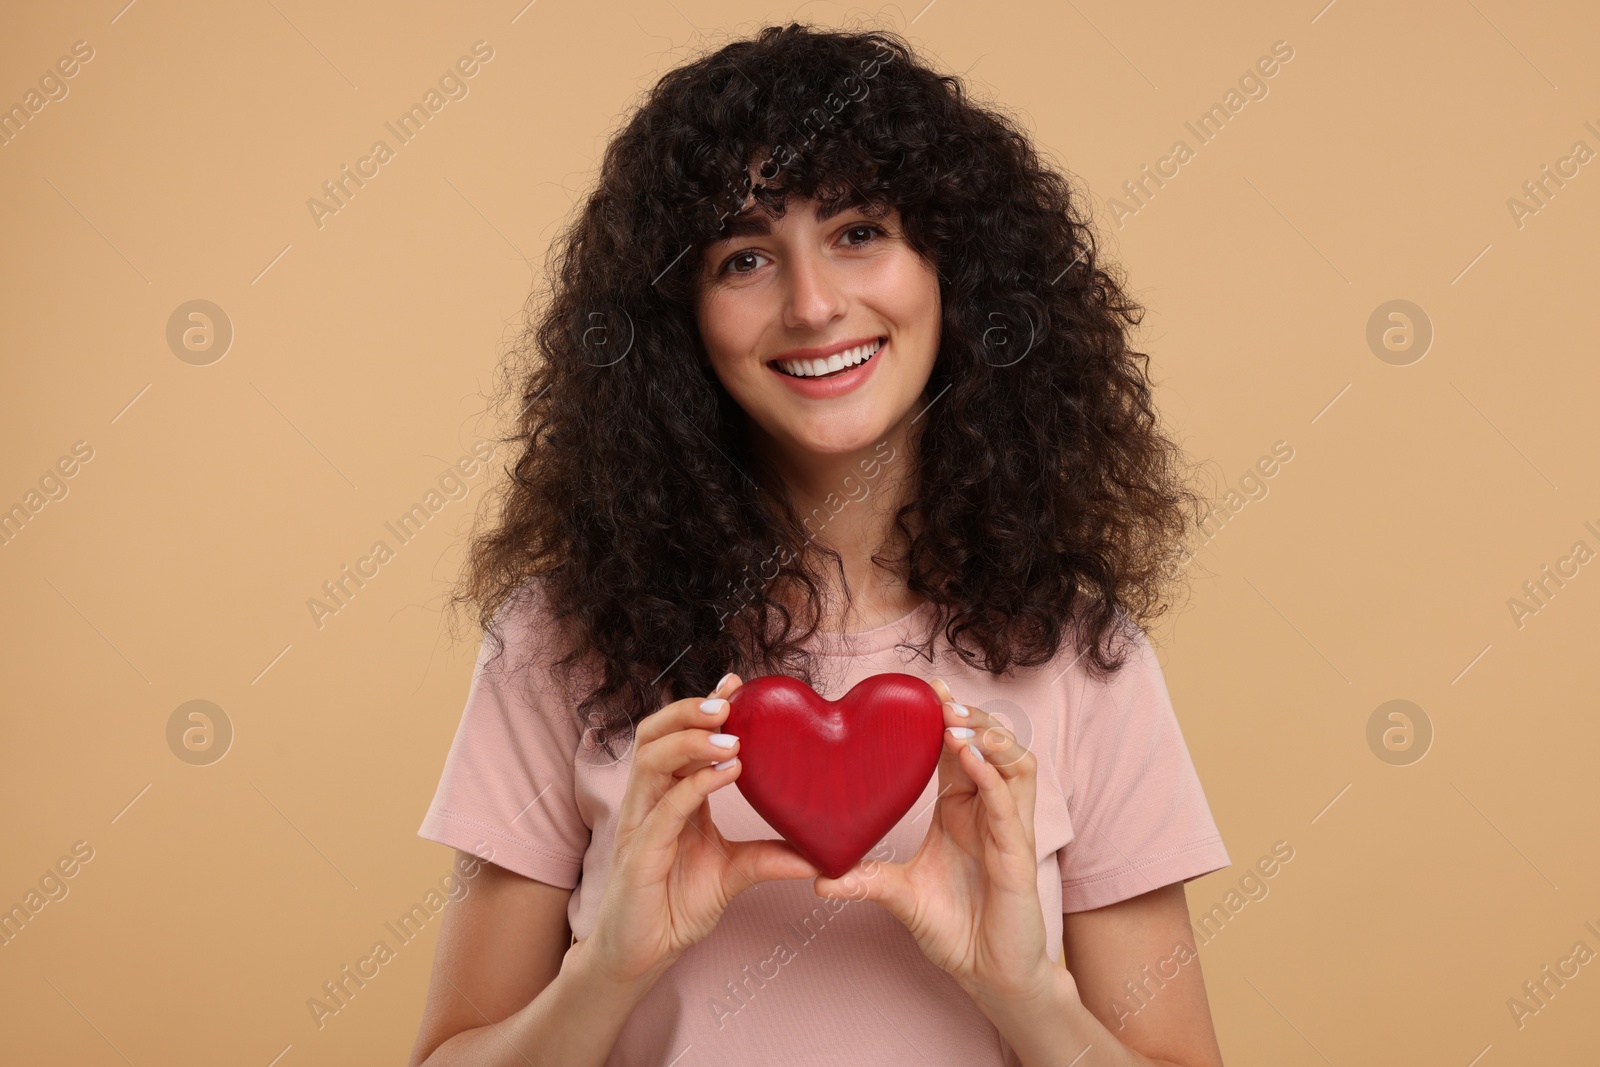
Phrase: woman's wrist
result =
(1055, 992)
(574, 1021)
(1038, 1026)
(581, 968)
(1052, 984)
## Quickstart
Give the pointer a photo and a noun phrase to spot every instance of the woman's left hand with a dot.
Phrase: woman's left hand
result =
(970, 896)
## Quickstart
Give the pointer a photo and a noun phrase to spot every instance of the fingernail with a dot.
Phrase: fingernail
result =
(723, 740)
(712, 706)
(960, 709)
(718, 687)
(960, 731)
(976, 751)
(725, 764)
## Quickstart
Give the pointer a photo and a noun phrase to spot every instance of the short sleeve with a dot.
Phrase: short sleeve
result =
(1140, 818)
(507, 793)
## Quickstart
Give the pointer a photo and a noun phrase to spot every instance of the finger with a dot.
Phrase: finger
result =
(941, 687)
(1000, 806)
(690, 711)
(706, 713)
(998, 741)
(658, 765)
(876, 880)
(1004, 752)
(717, 714)
(672, 810)
(1001, 750)
(953, 778)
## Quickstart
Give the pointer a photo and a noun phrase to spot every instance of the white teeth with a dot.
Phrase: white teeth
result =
(812, 368)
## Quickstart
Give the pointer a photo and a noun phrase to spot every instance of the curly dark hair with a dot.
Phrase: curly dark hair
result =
(1045, 499)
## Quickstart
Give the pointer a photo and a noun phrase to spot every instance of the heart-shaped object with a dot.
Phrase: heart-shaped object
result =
(833, 776)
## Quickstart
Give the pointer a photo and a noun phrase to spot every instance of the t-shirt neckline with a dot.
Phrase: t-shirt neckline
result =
(863, 642)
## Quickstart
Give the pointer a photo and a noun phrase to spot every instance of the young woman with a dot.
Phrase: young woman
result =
(831, 383)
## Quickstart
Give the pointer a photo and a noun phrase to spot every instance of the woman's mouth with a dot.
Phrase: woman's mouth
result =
(840, 373)
(836, 364)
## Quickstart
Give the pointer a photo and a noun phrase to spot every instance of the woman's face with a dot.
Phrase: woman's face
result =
(779, 295)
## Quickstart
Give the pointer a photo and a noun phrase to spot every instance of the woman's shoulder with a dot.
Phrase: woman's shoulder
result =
(528, 622)
(529, 643)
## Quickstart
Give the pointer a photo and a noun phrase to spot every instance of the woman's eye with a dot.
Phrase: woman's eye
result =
(738, 257)
(864, 228)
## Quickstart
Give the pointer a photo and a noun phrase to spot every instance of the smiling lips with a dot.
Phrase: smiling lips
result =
(837, 374)
(817, 368)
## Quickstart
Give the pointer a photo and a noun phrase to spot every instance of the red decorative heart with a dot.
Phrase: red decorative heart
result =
(833, 776)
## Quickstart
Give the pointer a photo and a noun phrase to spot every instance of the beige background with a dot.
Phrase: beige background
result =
(1379, 565)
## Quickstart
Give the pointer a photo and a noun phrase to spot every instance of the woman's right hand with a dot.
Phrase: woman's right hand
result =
(673, 874)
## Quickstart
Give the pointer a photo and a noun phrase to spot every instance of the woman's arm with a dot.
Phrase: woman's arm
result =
(509, 987)
(1134, 998)
(1147, 941)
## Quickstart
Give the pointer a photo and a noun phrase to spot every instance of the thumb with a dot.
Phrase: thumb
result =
(876, 880)
(764, 861)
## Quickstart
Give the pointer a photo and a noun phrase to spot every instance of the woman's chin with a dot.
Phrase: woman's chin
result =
(831, 442)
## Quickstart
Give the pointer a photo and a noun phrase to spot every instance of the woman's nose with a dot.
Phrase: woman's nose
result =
(815, 297)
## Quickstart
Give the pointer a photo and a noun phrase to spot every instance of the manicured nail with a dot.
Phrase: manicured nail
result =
(718, 687)
(725, 764)
(723, 740)
(960, 731)
(712, 706)
(961, 710)
(976, 751)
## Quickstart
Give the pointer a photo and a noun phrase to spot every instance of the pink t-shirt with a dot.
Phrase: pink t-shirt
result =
(787, 977)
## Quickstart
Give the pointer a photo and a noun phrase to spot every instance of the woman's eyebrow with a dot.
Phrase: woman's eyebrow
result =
(759, 224)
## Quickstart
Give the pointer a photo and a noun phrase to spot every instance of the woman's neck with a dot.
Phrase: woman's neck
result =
(847, 502)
